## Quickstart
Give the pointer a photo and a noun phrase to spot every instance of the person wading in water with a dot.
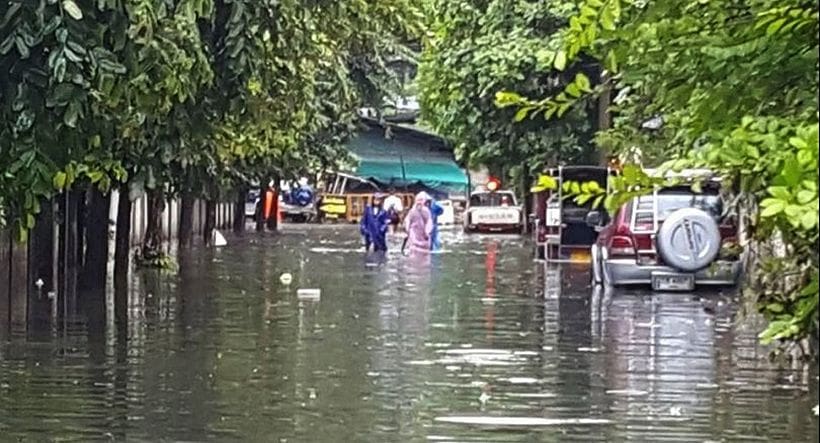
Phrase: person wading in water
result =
(394, 207)
(419, 224)
(374, 226)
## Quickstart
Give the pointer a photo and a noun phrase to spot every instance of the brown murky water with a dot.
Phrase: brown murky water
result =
(477, 343)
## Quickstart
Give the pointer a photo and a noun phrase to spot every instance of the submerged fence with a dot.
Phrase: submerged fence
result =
(24, 279)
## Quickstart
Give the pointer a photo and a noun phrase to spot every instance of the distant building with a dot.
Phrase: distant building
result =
(407, 158)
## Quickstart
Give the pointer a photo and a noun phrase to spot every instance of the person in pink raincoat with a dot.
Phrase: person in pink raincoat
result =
(419, 224)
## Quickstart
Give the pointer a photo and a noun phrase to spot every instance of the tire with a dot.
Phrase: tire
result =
(689, 240)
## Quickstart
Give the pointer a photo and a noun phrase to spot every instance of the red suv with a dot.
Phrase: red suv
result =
(673, 240)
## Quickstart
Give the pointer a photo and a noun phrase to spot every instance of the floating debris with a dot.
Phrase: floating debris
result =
(309, 294)
(286, 278)
(219, 239)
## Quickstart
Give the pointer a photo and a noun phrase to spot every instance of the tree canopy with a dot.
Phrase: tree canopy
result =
(476, 48)
(729, 85)
(182, 95)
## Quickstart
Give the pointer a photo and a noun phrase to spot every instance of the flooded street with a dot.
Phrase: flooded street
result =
(478, 343)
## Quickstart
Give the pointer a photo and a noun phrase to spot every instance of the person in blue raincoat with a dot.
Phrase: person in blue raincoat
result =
(435, 211)
(373, 227)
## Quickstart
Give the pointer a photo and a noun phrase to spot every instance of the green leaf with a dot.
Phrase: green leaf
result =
(521, 114)
(774, 307)
(72, 9)
(804, 196)
(780, 192)
(792, 211)
(560, 60)
(506, 98)
(772, 207)
(798, 143)
(59, 180)
(809, 219)
(775, 26)
(791, 172)
(583, 82)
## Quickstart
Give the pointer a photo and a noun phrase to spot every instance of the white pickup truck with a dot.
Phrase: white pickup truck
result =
(493, 211)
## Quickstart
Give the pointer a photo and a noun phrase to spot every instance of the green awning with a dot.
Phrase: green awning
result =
(407, 159)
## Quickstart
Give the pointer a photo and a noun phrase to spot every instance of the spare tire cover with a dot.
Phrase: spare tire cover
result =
(689, 239)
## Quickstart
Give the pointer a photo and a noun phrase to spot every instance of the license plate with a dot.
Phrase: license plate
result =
(673, 282)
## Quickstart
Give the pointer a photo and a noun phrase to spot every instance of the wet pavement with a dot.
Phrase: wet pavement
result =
(477, 343)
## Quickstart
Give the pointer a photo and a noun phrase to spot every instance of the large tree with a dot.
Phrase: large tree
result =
(731, 85)
(477, 48)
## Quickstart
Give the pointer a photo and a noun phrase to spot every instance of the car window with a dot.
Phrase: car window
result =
(667, 203)
(492, 199)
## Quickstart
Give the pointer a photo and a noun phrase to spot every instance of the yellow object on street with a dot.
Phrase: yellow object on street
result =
(580, 256)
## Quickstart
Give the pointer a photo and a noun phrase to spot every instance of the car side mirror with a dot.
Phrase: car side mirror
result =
(594, 219)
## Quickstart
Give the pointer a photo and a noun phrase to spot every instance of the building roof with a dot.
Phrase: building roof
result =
(402, 156)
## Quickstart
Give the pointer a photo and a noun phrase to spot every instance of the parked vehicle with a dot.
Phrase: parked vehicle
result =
(251, 203)
(298, 203)
(492, 210)
(560, 229)
(448, 216)
(674, 240)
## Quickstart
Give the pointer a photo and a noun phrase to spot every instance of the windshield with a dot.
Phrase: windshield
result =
(492, 199)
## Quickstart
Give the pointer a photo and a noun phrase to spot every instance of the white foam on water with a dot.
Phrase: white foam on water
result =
(522, 380)
(585, 349)
(472, 351)
(421, 363)
(531, 395)
(627, 392)
(520, 421)
(331, 250)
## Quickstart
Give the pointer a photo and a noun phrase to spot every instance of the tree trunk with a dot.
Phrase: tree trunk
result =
(210, 221)
(42, 247)
(152, 245)
(41, 264)
(96, 253)
(67, 267)
(260, 211)
(526, 196)
(122, 252)
(186, 221)
(239, 210)
(80, 197)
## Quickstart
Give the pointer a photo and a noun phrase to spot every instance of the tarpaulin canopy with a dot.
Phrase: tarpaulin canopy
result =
(406, 158)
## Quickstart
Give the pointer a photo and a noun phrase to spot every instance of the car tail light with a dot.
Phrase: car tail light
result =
(620, 246)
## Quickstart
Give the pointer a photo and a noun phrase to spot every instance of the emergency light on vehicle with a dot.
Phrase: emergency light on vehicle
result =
(493, 184)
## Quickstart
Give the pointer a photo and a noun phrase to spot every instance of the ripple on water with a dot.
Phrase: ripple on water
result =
(461, 347)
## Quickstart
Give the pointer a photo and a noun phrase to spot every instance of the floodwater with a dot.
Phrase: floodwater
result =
(477, 343)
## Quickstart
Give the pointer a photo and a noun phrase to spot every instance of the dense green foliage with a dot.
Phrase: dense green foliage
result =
(476, 48)
(182, 95)
(735, 84)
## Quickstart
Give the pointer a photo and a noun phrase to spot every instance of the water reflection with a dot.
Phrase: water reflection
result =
(475, 344)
